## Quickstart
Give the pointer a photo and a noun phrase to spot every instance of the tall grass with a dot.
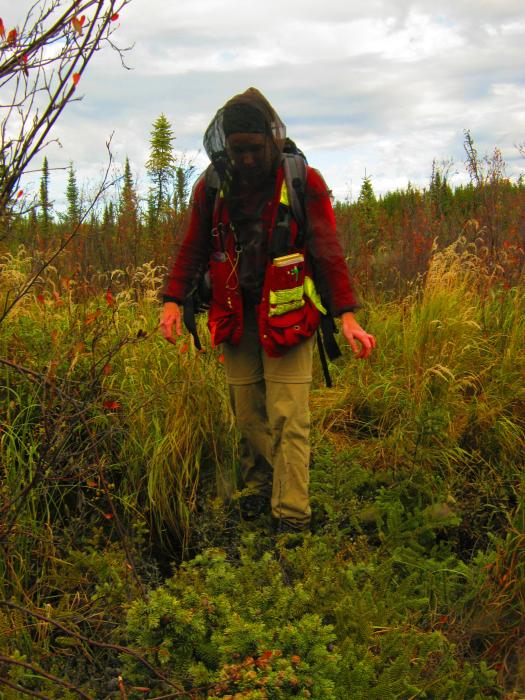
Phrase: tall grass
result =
(445, 389)
(180, 436)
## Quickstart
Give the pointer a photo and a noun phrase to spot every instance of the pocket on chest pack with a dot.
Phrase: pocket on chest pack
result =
(286, 285)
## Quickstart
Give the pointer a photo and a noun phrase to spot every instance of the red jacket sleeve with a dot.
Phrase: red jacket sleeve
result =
(332, 278)
(192, 251)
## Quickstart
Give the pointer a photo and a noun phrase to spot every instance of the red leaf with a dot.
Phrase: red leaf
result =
(76, 78)
(114, 17)
(82, 20)
(11, 37)
(183, 348)
(108, 516)
(90, 318)
(20, 193)
(2, 28)
(221, 359)
(111, 405)
(77, 25)
(41, 298)
(106, 370)
(110, 299)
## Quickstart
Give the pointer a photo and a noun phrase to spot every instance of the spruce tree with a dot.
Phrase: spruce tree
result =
(367, 210)
(45, 205)
(108, 218)
(161, 162)
(439, 190)
(366, 194)
(73, 198)
(151, 211)
(182, 187)
(127, 216)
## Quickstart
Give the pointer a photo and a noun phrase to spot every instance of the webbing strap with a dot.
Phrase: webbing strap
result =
(295, 177)
(324, 363)
(328, 330)
(188, 316)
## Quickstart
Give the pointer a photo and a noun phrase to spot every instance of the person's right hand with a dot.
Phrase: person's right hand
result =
(170, 315)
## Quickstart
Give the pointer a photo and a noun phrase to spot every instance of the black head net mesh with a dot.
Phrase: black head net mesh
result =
(249, 112)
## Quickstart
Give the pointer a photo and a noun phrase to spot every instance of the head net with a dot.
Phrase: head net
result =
(249, 112)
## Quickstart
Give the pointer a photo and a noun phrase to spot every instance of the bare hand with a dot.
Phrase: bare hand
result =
(355, 334)
(170, 315)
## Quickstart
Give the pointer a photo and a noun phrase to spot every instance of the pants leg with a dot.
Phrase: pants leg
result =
(245, 376)
(288, 379)
(269, 397)
(249, 407)
(289, 418)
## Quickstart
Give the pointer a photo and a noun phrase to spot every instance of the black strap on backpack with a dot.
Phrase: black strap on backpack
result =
(189, 318)
(294, 165)
(198, 298)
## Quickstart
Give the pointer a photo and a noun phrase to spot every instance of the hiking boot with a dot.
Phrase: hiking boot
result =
(289, 535)
(282, 527)
(254, 505)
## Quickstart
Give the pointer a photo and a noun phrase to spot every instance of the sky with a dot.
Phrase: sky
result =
(378, 88)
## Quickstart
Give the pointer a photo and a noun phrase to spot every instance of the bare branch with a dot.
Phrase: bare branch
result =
(40, 69)
(49, 676)
(83, 638)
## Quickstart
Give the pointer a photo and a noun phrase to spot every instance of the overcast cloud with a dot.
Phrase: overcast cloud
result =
(382, 87)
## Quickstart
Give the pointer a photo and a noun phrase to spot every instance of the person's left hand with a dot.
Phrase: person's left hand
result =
(355, 334)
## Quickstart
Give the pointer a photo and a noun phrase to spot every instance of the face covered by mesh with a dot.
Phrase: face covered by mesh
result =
(249, 112)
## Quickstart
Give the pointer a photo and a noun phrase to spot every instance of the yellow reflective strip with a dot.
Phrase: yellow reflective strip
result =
(312, 293)
(284, 195)
(284, 308)
(285, 296)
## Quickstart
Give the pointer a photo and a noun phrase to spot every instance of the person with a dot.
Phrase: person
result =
(270, 284)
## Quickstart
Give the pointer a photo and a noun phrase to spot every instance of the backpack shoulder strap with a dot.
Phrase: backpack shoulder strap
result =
(213, 188)
(213, 182)
(194, 303)
(295, 173)
(294, 166)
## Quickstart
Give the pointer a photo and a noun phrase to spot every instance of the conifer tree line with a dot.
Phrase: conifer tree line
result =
(125, 228)
(388, 239)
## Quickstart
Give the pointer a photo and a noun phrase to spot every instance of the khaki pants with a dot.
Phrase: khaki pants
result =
(269, 397)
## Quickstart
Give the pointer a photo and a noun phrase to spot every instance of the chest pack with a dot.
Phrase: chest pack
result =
(293, 207)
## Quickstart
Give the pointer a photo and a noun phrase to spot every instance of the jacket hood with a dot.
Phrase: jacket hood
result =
(215, 137)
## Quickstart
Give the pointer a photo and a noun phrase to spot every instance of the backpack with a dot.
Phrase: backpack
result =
(198, 299)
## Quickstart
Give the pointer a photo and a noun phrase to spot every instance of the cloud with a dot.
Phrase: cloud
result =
(385, 86)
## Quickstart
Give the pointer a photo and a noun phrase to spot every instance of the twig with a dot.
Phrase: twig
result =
(44, 674)
(29, 284)
(25, 691)
(88, 640)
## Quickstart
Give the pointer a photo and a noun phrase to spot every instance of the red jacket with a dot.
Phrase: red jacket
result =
(332, 279)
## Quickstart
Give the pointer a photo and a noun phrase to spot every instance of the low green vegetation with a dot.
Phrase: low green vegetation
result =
(125, 575)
